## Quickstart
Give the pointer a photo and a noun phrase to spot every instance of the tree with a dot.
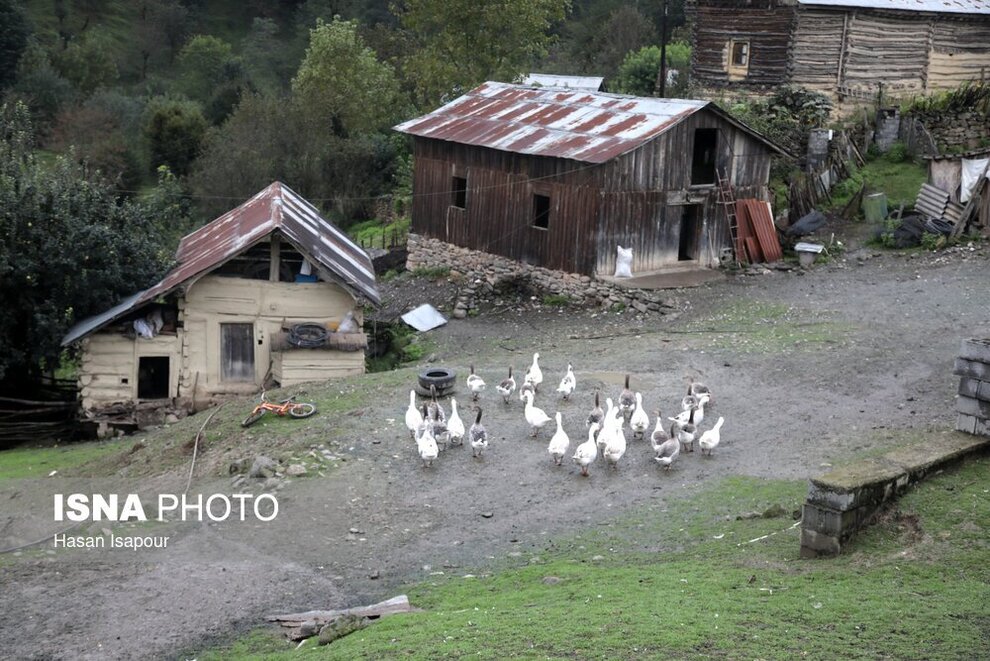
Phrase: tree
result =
(72, 248)
(342, 82)
(14, 33)
(87, 61)
(626, 30)
(201, 64)
(638, 72)
(462, 43)
(175, 129)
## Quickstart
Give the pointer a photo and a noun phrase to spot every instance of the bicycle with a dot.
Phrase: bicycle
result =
(285, 407)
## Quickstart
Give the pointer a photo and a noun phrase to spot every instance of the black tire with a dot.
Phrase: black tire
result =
(302, 410)
(441, 377)
(253, 418)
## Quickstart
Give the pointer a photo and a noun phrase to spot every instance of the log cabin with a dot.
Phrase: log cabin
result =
(216, 323)
(558, 178)
(845, 49)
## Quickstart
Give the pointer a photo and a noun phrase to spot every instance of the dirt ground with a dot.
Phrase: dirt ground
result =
(808, 369)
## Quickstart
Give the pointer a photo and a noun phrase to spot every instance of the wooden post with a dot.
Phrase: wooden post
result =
(275, 262)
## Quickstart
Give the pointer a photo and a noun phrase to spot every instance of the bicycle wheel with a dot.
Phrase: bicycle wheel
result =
(302, 410)
(255, 416)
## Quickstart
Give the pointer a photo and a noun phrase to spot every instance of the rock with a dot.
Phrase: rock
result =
(340, 627)
(487, 515)
(238, 481)
(270, 483)
(459, 313)
(241, 466)
(309, 628)
(171, 419)
(551, 580)
(263, 467)
(295, 470)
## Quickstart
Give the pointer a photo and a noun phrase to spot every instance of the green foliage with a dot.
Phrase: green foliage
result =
(431, 272)
(932, 242)
(462, 43)
(342, 83)
(34, 462)
(40, 86)
(897, 153)
(638, 72)
(202, 65)
(971, 96)
(14, 33)
(87, 62)
(786, 116)
(556, 300)
(73, 249)
(175, 128)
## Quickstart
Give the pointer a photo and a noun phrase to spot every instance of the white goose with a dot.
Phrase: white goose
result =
(526, 387)
(475, 384)
(684, 432)
(413, 417)
(616, 446)
(534, 374)
(710, 439)
(536, 417)
(608, 422)
(507, 387)
(639, 421)
(438, 428)
(478, 436)
(586, 453)
(558, 443)
(568, 383)
(427, 444)
(627, 400)
(697, 410)
(697, 388)
(455, 426)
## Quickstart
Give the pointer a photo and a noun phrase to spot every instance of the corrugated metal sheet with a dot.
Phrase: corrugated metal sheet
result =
(277, 207)
(590, 83)
(591, 127)
(938, 6)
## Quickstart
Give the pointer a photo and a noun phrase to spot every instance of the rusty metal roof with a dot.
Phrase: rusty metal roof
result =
(591, 127)
(935, 6)
(592, 83)
(277, 207)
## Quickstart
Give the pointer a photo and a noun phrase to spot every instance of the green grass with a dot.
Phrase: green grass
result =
(694, 581)
(431, 272)
(31, 462)
(370, 232)
(759, 327)
(900, 180)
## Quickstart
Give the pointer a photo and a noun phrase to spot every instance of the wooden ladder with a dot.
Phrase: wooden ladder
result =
(727, 198)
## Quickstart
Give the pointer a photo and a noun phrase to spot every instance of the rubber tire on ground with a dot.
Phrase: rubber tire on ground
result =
(441, 377)
(302, 410)
(441, 392)
(253, 418)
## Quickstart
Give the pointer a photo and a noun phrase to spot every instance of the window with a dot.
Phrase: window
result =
(541, 212)
(739, 54)
(153, 377)
(703, 157)
(237, 352)
(459, 188)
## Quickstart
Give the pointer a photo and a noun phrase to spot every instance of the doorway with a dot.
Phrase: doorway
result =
(690, 234)
(237, 352)
(153, 377)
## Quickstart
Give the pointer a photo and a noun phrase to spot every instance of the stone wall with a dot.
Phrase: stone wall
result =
(973, 404)
(955, 132)
(483, 273)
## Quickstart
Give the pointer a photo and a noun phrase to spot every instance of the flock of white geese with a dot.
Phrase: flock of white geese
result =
(433, 430)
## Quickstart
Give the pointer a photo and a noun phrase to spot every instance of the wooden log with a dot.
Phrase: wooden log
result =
(399, 604)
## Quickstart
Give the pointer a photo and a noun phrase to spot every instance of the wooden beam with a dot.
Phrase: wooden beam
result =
(275, 261)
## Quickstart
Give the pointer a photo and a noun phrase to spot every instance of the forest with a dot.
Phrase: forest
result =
(125, 124)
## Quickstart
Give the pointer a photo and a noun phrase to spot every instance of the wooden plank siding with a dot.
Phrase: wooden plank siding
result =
(635, 199)
(817, 49)
(767, 28)
(960, 52)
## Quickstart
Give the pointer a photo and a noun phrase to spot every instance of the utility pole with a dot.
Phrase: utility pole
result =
(661, 86)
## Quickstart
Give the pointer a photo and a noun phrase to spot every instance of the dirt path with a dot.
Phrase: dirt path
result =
(808, 369)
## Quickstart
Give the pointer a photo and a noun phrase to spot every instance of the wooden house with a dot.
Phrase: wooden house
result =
(843, 48)
(559, 178)
(215, 324)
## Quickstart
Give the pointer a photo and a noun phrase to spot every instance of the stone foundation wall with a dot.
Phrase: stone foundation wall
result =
(482, 273)
(973, 405)
(956, 132)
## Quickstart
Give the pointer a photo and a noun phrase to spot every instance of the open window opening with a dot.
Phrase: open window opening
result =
(690, 233)
(459, 187)
(153, 377)
(237, 352)
(703, 157)
(541, 211)
(739, 55)
(255, 263)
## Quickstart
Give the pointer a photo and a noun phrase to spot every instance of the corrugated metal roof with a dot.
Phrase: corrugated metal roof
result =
(592, 83)
(590, 127)
(277, 207)
(936, 6)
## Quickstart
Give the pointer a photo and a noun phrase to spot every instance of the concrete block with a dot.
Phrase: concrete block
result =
(983, 391)
(834, 523)
(978, 350)
(815, 544)
(966, 423)
(972, 368)
(969, 387)
(982, 427)
(864, 483)
(971, 406)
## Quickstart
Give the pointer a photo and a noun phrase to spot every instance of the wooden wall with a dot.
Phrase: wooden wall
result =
(109, 357)
(108, 368)
(960, 51)
(301, 365)
(634, 198)
(767, 28)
